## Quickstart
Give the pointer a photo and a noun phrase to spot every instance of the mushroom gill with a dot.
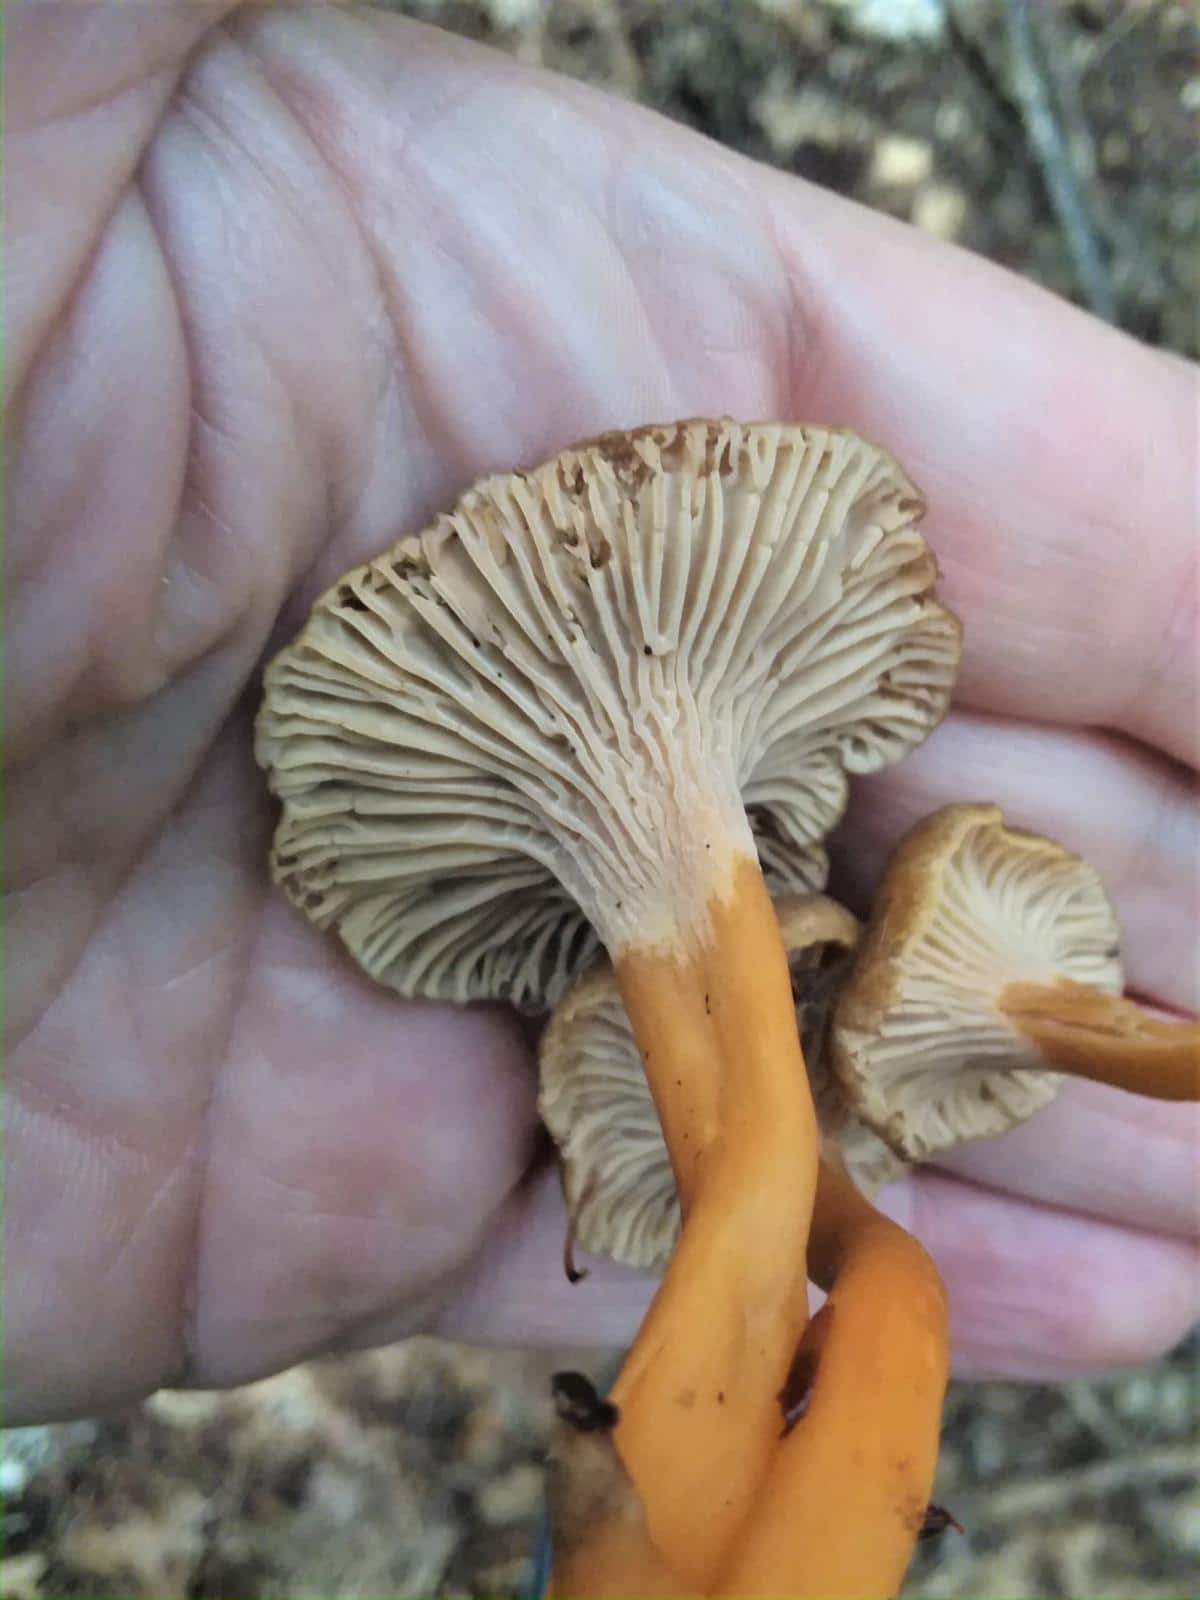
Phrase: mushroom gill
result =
(594, 1098)
(990, 958)
(551, 711)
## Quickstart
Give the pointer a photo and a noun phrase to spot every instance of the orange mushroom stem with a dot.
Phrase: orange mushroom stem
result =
(603, 1549)
(716, 1026)
(847, 1493)
(1107, 1038)
(851, 1446)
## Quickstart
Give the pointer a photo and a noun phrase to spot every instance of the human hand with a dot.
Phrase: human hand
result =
(279, 285)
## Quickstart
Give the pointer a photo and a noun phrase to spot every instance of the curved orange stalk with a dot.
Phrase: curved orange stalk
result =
(1106, 1038)
(699, 1416)
(602, 1547)
(844, 1501)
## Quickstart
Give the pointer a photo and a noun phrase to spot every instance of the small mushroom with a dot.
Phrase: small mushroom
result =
(556, 710)
(991, 956)
(595, 1100)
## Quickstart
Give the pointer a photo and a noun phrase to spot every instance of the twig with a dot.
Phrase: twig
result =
(1043, 1496)
(1132, 265)
(1127, 22)
(1036, 102)
(995, 103)
(1090, 1410)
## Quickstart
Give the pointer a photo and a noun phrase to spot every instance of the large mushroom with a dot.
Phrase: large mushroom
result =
(542, 722)
(594, 1098)
(990, 965)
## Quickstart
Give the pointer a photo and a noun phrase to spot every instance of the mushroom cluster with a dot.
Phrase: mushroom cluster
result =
(577, 746)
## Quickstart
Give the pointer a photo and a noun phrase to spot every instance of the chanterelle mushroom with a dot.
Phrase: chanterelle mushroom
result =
(991, 955)
(552, 709)
(617, 1178)
(567, 693)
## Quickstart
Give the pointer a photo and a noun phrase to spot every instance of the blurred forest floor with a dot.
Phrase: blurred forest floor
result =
(1068, 152)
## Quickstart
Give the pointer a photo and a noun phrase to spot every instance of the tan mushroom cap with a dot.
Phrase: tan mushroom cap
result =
(617, 1178)
(553, 710)
(966, 907)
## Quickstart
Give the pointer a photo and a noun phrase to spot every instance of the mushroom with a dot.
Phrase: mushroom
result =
(991, 956)
(567, 693)
(617, 1179)
(471, 729)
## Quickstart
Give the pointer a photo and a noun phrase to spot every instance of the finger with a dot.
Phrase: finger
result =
(1034, 1293)
(1100, 1152)
(1043, 1294)
(1132, 815)
(1058, 457)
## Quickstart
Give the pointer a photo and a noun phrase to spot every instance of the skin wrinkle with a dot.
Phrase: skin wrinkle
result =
(43, 1102)
(116, 874)
(144, 81)
(609, 191)
(1173, 641)
(402, 348)
(92, 1162)
(191, 109)
(157, 45)
(71, 500)
(174, 1174)
(83, 929)
(1167, 814)
(1024, 1162)
(107, 912)
(321, 563)
(19, 362)
(419, 1207)
(190, 1304)
(201, 411)
(342, 487)
(425, 1306)
(807, 353)
(343, 502)
(33, 55)
(195, 1153)
(624, 188)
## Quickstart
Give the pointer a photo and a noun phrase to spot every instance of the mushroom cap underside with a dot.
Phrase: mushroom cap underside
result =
(966, 907)
(617, 1179)
(542, 722)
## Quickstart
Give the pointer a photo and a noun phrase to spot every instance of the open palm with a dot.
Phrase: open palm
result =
(278, 287)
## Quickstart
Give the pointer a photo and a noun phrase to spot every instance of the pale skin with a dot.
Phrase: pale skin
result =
(278, 286)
